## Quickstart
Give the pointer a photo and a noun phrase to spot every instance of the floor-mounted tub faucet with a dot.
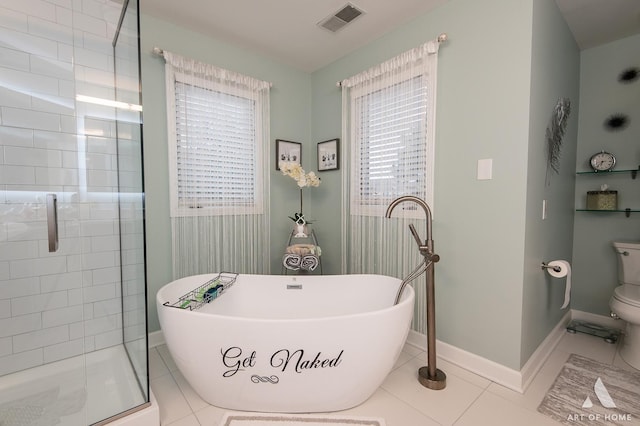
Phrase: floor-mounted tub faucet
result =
(429, 376)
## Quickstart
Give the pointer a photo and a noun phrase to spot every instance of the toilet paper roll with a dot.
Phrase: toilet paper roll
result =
(561, 269)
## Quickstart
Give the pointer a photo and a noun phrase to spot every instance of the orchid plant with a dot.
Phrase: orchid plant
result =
(295, 171)
(303, 179)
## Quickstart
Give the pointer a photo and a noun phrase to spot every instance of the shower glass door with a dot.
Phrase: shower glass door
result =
(131, 191)
(72, 303)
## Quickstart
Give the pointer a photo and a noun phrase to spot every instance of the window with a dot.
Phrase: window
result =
(215, 155)
(390, 153)
(218, 129)
(388, 130)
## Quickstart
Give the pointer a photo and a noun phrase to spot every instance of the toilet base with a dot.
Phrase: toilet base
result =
(630, 350)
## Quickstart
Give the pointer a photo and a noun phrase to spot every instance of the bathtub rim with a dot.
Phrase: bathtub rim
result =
(406, 298)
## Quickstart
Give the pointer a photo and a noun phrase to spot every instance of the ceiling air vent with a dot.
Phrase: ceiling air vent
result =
(341, 18)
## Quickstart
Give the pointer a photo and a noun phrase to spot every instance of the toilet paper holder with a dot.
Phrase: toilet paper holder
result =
(544, 266)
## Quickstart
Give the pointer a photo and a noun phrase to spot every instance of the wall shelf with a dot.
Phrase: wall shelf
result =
(626, 211)
(634, 172)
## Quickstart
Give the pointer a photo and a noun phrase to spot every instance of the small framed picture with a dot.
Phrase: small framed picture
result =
(329, 155)
(288, 151)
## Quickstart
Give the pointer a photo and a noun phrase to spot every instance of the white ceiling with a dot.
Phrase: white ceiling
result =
(595, 22)
(287, 31)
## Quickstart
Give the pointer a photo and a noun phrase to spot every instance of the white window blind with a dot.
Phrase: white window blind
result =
(216, 150)
(218, 130)
(389, 132)
(391, 129)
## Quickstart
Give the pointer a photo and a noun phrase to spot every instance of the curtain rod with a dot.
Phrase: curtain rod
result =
(440, 39)
(160, 52)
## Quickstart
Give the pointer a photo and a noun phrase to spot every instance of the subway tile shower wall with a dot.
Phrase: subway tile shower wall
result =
(62, 304)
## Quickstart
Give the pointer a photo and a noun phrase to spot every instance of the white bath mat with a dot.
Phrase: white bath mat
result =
(274, 419)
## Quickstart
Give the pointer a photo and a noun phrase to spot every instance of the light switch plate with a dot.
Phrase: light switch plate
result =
(485, 169)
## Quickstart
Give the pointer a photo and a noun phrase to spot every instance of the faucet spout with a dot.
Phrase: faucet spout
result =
(421, 203)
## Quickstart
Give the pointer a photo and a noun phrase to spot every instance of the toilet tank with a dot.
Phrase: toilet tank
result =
(628, 262)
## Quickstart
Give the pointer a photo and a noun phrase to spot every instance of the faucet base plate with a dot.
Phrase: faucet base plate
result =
(437, 382)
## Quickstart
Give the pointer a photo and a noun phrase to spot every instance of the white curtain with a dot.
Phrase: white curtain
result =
(218, 129)
(388, 129)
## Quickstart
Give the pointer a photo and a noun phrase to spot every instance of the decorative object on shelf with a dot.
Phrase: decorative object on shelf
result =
(603, 199)
(301, 230)
(288, 152)
(555, 133)
(303, 249)
(616, 122)
(303, 179)
(302, 256)
(627, 211)
(329, 155)
(629, 75)
(602, 161)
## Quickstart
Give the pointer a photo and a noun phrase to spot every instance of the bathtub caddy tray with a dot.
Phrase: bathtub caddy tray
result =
(205, 293)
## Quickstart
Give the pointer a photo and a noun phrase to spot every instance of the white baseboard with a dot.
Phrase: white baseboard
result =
(476, 364)
(491, 370)
(540, 355)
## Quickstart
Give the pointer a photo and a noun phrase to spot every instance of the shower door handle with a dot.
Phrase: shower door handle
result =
(52, 222)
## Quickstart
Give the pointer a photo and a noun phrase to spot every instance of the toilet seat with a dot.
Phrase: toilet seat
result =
(628, 293)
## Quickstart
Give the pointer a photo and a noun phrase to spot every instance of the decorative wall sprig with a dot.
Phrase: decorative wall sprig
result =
(555, 133)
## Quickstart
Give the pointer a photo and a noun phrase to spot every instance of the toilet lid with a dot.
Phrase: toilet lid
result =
(629, 294)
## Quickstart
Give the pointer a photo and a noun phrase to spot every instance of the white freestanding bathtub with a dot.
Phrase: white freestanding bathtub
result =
(288, 343)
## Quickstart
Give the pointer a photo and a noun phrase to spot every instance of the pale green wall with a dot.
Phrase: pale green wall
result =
(482, 112)
(554, 74)
(499, 81)
(500, 74)
(290, 120)
(594, 261)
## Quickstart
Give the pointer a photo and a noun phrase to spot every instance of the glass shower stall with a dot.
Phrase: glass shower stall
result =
(73, 321)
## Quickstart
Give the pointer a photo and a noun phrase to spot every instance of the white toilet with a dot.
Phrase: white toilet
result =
(625, 301)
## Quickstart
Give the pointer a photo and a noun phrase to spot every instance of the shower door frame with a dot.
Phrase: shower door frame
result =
(144, 387)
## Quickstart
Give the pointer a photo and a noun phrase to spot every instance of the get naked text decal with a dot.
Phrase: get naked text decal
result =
(236, 360)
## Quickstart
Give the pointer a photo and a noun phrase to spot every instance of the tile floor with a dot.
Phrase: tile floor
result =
(468, 399)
